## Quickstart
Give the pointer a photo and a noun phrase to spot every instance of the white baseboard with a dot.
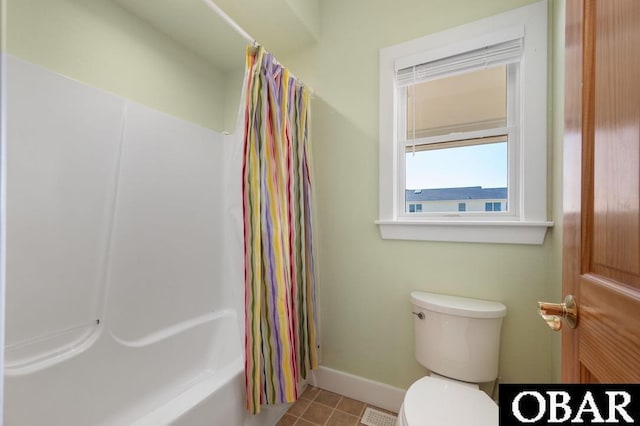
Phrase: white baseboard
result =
(356, 387)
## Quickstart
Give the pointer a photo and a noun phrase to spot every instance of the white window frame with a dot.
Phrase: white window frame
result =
(526, 221)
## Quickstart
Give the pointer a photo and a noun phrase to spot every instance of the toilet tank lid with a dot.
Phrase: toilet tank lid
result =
(459, 306)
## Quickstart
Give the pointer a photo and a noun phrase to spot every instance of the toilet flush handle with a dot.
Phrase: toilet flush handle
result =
(419, 314)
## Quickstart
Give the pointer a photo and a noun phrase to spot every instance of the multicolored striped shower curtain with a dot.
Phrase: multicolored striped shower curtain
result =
(280, 310)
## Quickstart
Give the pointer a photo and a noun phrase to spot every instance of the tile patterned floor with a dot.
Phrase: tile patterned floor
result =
(318, 407)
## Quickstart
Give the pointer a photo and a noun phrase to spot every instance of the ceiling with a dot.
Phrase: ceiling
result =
(279, 25)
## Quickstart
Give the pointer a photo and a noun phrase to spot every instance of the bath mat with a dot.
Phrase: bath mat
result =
(373, 417)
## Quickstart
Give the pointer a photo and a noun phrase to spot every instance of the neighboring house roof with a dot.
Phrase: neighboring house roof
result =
(466, 193)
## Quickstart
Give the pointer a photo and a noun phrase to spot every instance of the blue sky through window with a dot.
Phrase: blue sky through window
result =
(475, 165)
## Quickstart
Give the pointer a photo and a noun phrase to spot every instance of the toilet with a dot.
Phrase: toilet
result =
(458, 340)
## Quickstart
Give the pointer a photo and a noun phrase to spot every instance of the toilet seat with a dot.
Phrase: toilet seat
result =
(435, 402)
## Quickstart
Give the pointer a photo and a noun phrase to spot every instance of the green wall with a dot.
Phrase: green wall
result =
(364, 281)
(99, 43)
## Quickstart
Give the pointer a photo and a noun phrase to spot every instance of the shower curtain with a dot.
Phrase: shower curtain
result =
(280, 309)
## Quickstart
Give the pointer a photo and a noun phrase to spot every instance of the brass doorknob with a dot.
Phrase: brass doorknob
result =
(555, 313)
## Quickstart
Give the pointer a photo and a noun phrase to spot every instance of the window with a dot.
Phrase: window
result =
(453, 114)
(492, 207)
(456, 129)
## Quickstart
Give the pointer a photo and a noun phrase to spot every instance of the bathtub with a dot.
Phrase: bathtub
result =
(124, 262)
(190, 374)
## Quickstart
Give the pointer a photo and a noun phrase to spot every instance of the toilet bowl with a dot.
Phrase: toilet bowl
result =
(458, 340)
(438, 402)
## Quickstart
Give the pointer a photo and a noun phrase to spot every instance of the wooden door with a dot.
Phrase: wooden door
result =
(601, 255)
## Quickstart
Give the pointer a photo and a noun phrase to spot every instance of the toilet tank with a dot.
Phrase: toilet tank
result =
(458, 337)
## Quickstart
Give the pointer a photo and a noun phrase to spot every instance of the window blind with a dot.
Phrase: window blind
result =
(488, 56)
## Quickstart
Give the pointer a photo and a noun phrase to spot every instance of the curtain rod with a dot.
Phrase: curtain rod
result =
(221, 13)
(230, 21)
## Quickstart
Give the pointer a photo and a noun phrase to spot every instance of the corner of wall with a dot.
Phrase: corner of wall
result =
(3, 191)
(308, 11)
(233, 83)
(554, 290)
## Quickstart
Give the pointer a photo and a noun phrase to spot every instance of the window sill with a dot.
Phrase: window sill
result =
(503, 232)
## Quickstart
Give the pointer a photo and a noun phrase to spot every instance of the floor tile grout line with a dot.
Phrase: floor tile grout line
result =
(334, 409)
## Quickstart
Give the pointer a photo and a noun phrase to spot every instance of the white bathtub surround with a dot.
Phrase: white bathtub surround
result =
(119, 311)
(63, 143)
(356, 387)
